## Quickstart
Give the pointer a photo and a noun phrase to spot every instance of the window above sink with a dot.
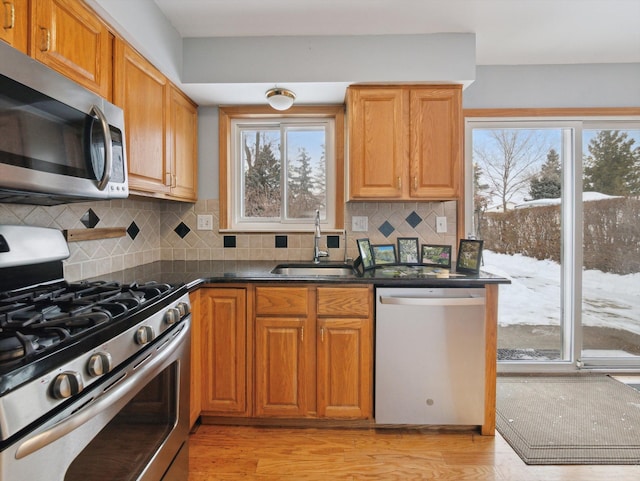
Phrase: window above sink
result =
(276, 169)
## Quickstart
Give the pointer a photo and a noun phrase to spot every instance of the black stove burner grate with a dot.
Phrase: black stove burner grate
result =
(41, 318)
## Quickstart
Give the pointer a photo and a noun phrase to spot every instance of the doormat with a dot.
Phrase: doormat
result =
(569, 419)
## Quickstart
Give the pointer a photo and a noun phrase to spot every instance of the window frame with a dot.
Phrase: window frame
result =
(228, 179)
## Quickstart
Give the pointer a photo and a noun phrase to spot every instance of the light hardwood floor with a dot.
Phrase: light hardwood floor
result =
(232, 453)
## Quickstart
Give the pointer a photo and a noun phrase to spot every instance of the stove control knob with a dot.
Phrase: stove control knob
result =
(144, 335)
(66, 384)
(172, 315)
(183, 308)
(99, 364)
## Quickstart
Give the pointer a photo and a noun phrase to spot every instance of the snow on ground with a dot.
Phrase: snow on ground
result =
(533, 297)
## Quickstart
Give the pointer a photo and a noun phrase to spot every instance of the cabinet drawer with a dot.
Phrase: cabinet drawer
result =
(287, 301)
(344, 301)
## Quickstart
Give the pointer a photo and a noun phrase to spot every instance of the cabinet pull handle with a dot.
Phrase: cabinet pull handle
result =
(399, 183)
(10, 18)
(173, 181)
(167, 178)
(302, 334)
(46, 39)
(415, 183)
(322, 334)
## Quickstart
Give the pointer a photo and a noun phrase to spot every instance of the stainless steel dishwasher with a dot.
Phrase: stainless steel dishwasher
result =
(430, 356)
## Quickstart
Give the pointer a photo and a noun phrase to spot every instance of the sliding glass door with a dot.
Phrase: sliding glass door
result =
(548, 198)
(611, 245)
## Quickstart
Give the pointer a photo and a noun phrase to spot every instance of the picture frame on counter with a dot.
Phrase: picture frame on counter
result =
(469, 256)
(384, 254)
(436, 255)
(408, 250)
(366, 254)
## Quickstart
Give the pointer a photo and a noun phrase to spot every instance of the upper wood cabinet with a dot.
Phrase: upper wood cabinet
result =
(161, 126)
(183, 145)
(68, 37)
(405, 142)
(142, 92)
(14, 21)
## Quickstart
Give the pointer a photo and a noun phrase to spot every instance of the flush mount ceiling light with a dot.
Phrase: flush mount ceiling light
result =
(280, 99)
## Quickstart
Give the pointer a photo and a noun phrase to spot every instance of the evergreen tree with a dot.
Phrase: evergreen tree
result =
(302, 200)
(262, 197)
(548, 183)
(612, 165)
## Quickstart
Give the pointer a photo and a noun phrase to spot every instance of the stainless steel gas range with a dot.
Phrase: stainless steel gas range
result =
(94, 376)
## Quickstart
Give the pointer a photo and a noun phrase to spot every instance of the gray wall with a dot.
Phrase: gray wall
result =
(539, 86)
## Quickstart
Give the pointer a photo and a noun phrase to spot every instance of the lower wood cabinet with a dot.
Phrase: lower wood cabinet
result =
(313, 353)
(224, 351)
(295, 351)
(345, 352)
(282, 358)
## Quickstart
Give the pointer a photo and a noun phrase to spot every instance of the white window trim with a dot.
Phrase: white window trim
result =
(328, 222)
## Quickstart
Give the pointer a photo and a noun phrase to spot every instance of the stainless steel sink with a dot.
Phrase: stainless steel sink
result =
(314, 270)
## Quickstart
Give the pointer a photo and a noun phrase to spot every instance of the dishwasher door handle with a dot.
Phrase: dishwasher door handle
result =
(432, 301)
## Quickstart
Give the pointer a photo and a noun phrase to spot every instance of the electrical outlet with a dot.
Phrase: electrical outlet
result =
(441, 225)
(205, 222)
(360, 223)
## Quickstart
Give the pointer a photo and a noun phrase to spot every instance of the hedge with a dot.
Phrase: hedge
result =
(611, 234)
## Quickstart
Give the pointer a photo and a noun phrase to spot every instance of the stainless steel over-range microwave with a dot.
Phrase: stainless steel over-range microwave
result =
(59, 142)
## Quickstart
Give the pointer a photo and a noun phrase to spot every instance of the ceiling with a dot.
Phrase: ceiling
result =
(508, 32)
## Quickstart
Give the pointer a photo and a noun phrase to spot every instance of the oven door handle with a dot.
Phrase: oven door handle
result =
(145, 371)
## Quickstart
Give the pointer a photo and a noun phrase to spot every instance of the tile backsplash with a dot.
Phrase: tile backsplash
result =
(164, 230)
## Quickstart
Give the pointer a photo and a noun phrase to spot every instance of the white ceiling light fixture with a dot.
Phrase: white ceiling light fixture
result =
(280, 98)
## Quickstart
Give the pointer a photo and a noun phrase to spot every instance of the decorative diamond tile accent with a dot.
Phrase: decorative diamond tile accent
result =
(182, 230)
(90, 219)
(413, 219)
(281, 241)
(133, 230)
(386, 229)
(229, 241)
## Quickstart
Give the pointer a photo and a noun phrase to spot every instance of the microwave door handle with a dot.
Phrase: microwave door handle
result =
(108, 154)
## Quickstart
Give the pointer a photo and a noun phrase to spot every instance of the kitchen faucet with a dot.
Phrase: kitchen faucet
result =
(317, 253)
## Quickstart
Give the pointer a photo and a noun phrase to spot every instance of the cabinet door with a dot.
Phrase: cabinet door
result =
(344, 368)
(281, 364)
(183, 146)
(141, 90)
(377, 143)
(71, 39)
(195, 390)
(224, 351)
(436, 142)
(14, 21)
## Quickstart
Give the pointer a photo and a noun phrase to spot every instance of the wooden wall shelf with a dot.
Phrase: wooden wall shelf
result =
(76, 235)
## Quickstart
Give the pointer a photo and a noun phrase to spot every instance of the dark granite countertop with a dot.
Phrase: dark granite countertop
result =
(196, 273)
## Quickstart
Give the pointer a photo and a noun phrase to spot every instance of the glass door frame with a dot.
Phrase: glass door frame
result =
(571, 235)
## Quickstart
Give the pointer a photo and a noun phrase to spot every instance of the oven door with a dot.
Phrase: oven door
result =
(130, 427)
